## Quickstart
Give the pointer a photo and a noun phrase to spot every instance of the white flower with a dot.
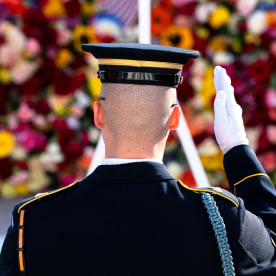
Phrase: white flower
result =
(198, 71)
(203, 11)
(222, 58)
(13, 36)
(175, 169)
(245, 7)
(52, 155)
(256, 22)
(19, 153)
(208, 147)
(22, 71)
(129, 34)
(83, 100)
(253, 134)
(93, 134)
(73, 122)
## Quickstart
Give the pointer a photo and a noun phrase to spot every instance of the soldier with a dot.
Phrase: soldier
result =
(130, 216)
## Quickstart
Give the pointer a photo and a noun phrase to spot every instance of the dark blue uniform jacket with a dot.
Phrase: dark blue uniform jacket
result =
(136, 219)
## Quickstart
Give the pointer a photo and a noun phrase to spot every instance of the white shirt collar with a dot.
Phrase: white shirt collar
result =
(118, 161)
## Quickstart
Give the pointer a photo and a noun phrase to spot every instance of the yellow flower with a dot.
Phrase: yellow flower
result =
(219, 17)
(208, 89)
(22, 189)
(212, 162)
(7, 143)
(63, 57)
(60, 104)
(252, 38)
(202, 32)
(5, 76)
(83, 34)
(8, 190)
(177, 37)
(54, 8)
(87, 9)
(94, 86)
(218, 44)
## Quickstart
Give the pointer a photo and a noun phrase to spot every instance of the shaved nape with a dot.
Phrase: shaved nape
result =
(140, 113)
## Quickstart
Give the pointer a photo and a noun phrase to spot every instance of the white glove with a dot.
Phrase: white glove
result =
(228, 125)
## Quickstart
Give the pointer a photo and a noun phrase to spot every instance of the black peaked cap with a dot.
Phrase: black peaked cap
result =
(140, 63)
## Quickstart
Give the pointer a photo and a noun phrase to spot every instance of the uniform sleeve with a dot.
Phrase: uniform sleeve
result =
(9, 255)
(249, 181)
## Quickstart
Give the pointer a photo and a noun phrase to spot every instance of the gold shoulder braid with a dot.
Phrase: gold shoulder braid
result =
(22, 213)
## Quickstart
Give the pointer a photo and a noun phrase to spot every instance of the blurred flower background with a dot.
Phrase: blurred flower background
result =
(48, 85)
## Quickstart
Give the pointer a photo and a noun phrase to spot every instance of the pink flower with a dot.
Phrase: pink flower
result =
(32, 47)
(25, 113)
(31, 140)
(19, 178)
(63, 35)
(76, 110)
(271, 133)
(66, 180)
(12, 121)
(272, 113)
(8, 55)
(178, 3)
(270, 98)
(273, 48)
(268, 160)
(40, 121)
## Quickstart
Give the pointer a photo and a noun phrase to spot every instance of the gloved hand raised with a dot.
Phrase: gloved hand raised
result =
(228, 125)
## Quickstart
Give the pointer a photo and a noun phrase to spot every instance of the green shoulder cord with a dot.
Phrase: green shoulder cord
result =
(220, 233)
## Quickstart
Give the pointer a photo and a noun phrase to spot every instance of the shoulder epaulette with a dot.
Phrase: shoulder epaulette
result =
(213, 190)
(41, 195)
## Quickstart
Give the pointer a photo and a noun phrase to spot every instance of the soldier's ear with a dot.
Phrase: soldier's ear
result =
(175, 118)
(98, 115)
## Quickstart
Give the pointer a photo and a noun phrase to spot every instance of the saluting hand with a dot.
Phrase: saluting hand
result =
(228, 124)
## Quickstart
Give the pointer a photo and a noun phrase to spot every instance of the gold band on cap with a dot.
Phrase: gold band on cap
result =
(139, 63)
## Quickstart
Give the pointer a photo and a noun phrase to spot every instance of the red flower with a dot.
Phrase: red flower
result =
(65, 84)
(31, 87)
(200, 44)
(160, 20)
(16, 7)
(263, 142)
(78, 61)
(6, 168)
(36, 25)
(46, 72)
(187, 8)
(67, 179)
(40, 107)
(2, 38)
(59, 124)
(3, 99)
(188, 179)
(260, 70)
(73, 7)
(185, 91)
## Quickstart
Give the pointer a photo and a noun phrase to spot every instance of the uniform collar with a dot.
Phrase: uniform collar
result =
(136, 172)
(119, 161)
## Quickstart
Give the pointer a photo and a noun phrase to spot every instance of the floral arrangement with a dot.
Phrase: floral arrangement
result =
(239, 35)
(47, 89)
(48, 86)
